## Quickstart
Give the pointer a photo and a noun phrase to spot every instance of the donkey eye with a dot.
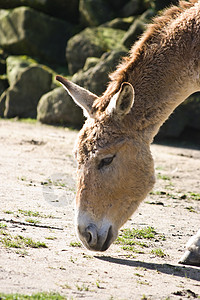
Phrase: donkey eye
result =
(105, 161)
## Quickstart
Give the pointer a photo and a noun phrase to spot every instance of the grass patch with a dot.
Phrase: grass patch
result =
(130, 239)
(38, 296)
(163, 177)
(19, 241)
(3, 225)
(32, 221)
(75, 244)
(144, 233)
(30, 213)
(83, 287)
(194, 196)
(51, 238)
(158, 252)
(190, 209)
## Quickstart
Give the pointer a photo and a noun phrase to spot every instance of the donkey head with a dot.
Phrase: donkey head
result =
(115, 167)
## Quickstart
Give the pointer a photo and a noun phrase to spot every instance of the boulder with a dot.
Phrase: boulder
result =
(94, 12)
(90, 62)
(92, 42)
(185, 116)
(137, 28)
(117, 4)
(96, 78)
(120, 23)
(23, 95)
(2, 104)
(133, 7)
(64, 9)
(57, 107)
(26, 31)
(3, 84)
(165, 3)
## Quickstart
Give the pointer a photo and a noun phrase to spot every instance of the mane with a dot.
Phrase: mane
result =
(153, 34)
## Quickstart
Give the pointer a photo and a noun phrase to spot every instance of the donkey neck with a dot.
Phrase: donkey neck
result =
(166, 73)
(159, 91)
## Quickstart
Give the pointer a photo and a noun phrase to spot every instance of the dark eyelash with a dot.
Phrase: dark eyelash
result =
(105, 162)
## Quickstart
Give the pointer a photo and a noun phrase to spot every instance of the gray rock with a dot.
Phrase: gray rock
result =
(186, 115)
(90, 62)
(137, 28)
(94, 12)
(92, 42)
(57, 107)
(117, 4)
(3, 84)
(2, 104)
(15, 65)
(65, 9)
(96, 78)
(133, 7)
(26, 31)
(120, 23)
(23, 95)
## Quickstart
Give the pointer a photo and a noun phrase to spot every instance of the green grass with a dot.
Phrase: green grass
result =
(158, 252)
(19, 241)
(144, 233)
(129, 238)
(29, 213)
(38, 296)
(190, 209)
(83, 287)
(194, 196)
(3, 225)
(32, 221)
(163, 177)
(75, 244)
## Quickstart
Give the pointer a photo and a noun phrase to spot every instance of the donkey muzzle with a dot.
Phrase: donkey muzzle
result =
(96, 239)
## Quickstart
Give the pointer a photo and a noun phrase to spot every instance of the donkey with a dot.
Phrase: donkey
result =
(115, 166)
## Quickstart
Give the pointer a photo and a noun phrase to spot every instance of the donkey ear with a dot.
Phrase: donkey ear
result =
(122, 102)
(81, 96)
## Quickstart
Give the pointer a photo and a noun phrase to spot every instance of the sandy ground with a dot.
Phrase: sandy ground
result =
(37, 174)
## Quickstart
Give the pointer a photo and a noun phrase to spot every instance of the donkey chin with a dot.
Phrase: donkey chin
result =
(95, 236)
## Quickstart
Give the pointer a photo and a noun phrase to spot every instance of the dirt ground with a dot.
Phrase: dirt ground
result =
(37, 187)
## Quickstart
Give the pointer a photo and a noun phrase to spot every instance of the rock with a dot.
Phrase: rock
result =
(15, 65)
(65, 9)
(2, 66)
(3, 84)
(96, 78)
(92, 42)
(90, 62)
(166, 3)
(137, 28)
(23, 95)
(117, 4)
(57, 107)
(120, 23)
(94, 12)
(192, 106)
(26, 31)
(2, 104)
(185, 115)
(133, 7)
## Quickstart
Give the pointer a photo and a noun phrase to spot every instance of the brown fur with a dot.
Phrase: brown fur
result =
(163, 67)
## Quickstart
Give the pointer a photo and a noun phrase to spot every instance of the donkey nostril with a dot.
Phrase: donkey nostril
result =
(88, 237)
(91, 235)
